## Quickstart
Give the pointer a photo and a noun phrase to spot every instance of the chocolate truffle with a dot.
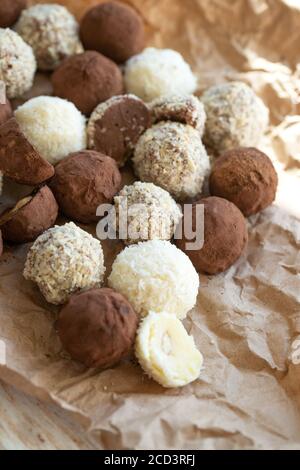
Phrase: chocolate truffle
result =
(52, 32)
(156, 72)
(1, 244)
(235, 117)
(151, 213)
(53, 126)
(17, 63)
(10, 11)
(5, 112)
(87, 79)
(156, 276)
(30, 217)
(186, 109)
(171, 155)
(246, 177)
(83, 181)
(114, 29)
(225, 236)
(116, 125)
(64, 260)
(19, 160)
(97, 327)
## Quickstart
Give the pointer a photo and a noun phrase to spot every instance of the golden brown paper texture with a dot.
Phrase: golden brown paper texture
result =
(246, 320)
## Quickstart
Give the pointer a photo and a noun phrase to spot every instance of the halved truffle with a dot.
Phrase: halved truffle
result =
(30, 217)
(83, 181)
(97, 327)
(19, 160)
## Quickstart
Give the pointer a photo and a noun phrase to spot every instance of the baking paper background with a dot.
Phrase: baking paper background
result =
(245, 321)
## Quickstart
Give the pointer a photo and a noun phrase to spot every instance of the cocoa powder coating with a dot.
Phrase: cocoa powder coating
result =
(97, 327)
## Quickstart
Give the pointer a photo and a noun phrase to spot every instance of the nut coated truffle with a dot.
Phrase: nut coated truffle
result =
(114, 29)
(52, 32)
(116, 125)
(19, 160)
(17, 63)
(171, 155)
(5, 112)
(186, 109)
(156, 72)
(97, 327)
(151, 213)
(53, 126)
(246, 177)
(64, 260)
(236, 117)
(156, 276)
(83, 181)
(87, 79)
(10, 11)
(225, 236)
(29, 217)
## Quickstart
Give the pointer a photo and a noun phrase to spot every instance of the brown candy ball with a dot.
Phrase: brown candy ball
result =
(246, 177)
(97, 327)
(87, 79)
(225, 236)
(82, 182)
(29, 217)
(10, 11)
(1, 244)
(114, 29)
(5, 112)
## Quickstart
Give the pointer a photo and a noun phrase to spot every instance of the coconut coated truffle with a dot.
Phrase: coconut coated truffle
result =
(53, 126)
(116, 125)
(236, 117)
(30, 217)
(63, 260)
(97, 327)
(10, 11)
(114, 29)
(156, 72)
(246, 177)
(150, 211)
(186, 109)
(83, 181)
(5, 112)
(156, 276)
(52, 32)
(17, 63)
(171, 155)
(87, 79)
(225, 236)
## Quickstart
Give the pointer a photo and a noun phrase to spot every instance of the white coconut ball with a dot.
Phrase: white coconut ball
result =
(157, 276)
(156, 72)
(54, 126)
(64, 260)
(17, 63)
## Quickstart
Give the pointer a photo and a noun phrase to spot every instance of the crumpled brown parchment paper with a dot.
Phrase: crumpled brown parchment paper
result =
(245, 321)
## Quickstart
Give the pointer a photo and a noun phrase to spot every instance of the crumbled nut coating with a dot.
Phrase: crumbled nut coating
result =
(186, 109)
(236, 117)
(64, 260)
(17, 63)
(52, 32)
(151, 212)
(171, 155)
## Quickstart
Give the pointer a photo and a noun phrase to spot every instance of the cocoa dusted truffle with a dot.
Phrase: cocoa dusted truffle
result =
(246, 177)
(19, 160)
(97, 327)
(83, 181)
(225, 236)
(116, 125)
(87, 79)
(114, 29)
(10, 11)
(5, 112)
(29, 217)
